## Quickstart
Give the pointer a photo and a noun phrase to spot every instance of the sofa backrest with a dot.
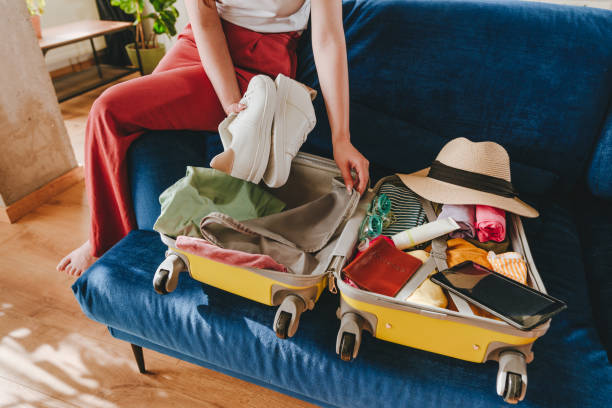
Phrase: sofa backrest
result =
(534, 77)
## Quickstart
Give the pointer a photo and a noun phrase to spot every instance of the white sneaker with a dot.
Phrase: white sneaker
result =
(246, 135)
(294, 118)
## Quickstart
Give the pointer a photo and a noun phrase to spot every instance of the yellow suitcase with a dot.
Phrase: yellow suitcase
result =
(293, 294)
(460, 334)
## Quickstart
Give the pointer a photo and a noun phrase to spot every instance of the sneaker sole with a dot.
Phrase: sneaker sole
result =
(278, 142)
(259, 160)
(262, 154)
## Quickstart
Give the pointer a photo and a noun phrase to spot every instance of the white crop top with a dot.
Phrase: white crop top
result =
(266, 16)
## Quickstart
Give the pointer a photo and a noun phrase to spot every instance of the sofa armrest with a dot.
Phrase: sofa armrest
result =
(594, 218)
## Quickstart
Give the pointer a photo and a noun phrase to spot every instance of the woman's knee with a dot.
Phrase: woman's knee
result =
(105, 106)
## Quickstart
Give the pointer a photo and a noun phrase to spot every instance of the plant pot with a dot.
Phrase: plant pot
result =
(150, 57)
(36, 24)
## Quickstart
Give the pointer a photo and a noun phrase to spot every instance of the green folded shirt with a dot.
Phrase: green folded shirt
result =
(205, 190)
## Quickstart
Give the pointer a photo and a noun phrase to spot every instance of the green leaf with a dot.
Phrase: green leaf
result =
(169, 20)
(158, 27)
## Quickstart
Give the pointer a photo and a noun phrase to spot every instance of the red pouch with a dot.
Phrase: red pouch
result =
(382, 268)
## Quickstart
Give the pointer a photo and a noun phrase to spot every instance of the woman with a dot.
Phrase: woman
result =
(198, 83)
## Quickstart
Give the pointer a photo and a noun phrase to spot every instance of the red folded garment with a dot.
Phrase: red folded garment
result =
(490, 223)
(382, 268)
(205, 249)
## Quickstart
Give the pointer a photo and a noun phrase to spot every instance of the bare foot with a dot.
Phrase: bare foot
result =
(77, 261)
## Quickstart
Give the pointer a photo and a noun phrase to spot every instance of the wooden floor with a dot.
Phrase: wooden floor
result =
(51, 355)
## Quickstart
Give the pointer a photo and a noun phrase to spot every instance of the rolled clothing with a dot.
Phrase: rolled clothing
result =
(201, 247)
(203, 191)
(292, 237)
(464, 215)
(510, 264)
(490, 223)
(405, 207)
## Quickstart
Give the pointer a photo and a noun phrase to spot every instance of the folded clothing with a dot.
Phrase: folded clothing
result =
(464, 215)
(405, 206)
(201, 247)
(203, 191)
(459, 250)
(382, 268)
(428, 293)
(490, 223)
(510, 264)
(497, 247)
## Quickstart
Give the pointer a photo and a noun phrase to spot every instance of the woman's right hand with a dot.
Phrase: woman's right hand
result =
(234, 108)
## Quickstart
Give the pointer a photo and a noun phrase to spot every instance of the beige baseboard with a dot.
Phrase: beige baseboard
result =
(36, 198)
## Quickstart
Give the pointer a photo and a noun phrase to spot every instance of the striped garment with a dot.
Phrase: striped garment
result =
(405, 206)
(510, 264)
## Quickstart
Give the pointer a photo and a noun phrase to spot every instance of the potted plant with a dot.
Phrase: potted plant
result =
(36, 8)
(164, 17)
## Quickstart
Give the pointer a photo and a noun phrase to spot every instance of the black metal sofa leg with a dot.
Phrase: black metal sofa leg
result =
(137, 350)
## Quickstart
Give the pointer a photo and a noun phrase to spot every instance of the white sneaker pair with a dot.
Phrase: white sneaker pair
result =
(262, 140)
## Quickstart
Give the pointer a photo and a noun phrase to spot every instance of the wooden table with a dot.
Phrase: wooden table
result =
(71, 33)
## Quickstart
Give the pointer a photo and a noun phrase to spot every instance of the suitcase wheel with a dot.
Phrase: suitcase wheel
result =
(348, 339)
(347, 346)
(159, 281)
(512, 376)
(287, 318)
(281, 328)
(514, 388)
(167, 274)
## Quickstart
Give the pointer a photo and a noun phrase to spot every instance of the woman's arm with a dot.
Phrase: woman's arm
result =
(329, 49)
(214, 53)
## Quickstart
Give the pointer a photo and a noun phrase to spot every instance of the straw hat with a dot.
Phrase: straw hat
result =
(466, 172)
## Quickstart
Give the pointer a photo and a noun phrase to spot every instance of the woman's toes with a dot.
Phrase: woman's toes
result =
(61, 266)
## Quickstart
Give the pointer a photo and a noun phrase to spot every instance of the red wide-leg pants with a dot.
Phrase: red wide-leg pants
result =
(178, 95)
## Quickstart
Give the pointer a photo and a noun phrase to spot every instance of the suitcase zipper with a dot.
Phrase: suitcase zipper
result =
(334, 266)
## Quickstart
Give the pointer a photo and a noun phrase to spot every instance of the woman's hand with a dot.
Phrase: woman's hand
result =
(348, 158)
(234, 108)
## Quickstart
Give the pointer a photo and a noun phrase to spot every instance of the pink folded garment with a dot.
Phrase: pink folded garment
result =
(205, 249)
(490, 223)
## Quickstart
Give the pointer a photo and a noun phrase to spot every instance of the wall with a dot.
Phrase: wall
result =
(60, 12)
(35, 146)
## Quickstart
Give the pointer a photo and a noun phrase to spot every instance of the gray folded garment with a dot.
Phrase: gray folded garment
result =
(293, 237)
(464, 215)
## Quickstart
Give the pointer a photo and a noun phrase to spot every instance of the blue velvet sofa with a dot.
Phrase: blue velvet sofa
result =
(534, 77)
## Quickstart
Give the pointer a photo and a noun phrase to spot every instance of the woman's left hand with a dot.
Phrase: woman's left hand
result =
(348, 158)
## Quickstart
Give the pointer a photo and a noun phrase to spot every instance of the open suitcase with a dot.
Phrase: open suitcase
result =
(474, 338)
(310, 178)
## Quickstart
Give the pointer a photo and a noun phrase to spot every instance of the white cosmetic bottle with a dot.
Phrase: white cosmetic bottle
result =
(423, 233)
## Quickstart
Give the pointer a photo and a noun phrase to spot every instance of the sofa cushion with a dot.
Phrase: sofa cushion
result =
(600, 170)
(222, 330)
(534, 77)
